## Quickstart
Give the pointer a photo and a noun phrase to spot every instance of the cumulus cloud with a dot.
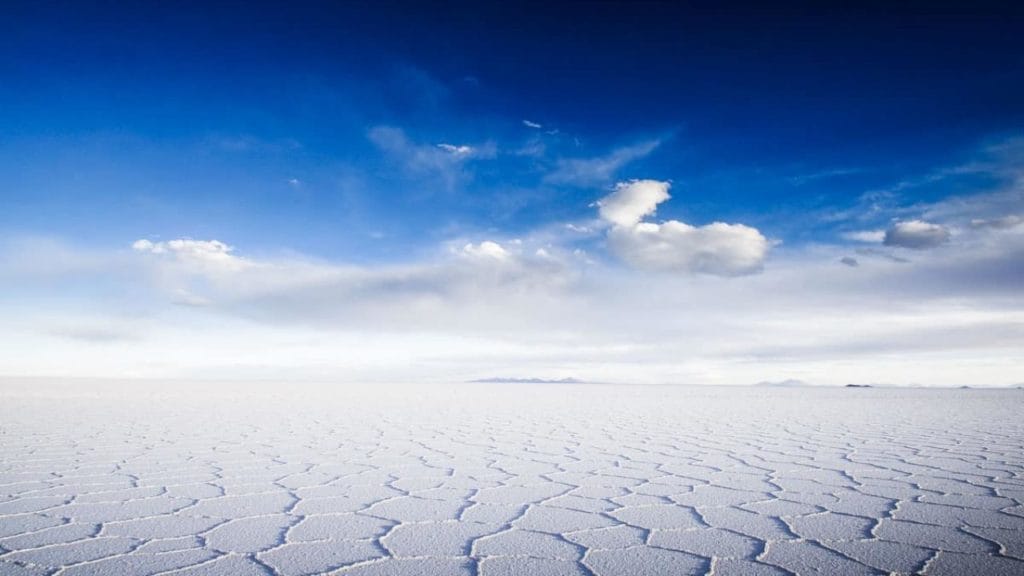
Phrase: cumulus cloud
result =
(530, 124)
(633, 200)
(916, 235)
(487, 250)
(718, 248)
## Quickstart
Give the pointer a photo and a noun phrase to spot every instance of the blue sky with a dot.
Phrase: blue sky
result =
(395, 144)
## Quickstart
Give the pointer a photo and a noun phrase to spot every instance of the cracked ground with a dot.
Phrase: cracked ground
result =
(166, 478)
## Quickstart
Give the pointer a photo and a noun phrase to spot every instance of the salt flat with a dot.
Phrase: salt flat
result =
(167, 478)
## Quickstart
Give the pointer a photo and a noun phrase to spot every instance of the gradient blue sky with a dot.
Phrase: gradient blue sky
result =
(866, 163)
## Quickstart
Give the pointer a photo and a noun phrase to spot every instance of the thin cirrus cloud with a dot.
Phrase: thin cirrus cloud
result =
(1000, 223)
(598, 170)
(443, 160)
(718, 248)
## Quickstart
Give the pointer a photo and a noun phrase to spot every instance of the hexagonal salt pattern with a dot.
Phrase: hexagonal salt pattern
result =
(169, 478)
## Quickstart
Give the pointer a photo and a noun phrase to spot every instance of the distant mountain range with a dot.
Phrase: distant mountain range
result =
(782, 383)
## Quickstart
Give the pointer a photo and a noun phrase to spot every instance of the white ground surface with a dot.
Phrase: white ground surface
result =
(508, 479)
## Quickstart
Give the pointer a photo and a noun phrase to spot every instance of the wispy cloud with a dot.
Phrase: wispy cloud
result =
(443, 160)
(599, 170)
(457, 150)
(983, 191)
(250, 144)
(866, 236)
(95, 334)
(999, 223)
(308, 291)
(801, 179)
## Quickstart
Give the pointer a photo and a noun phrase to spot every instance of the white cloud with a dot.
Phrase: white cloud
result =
(530, 124)
(579, 229)
(209, 254)
(445, 160)
(291, 289)
(998, 223)
(99, 332)
(949, 317)
(203, 249)
(720, 249)
(594, 171)
(487, 250)
(546, 305)
(916, 235)
(867, 236)
(633, 200)
(802, 179)
(183, 297)
(28, 258)
(461, 150)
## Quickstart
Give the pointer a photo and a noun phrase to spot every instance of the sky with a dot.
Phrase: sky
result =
(625, 192)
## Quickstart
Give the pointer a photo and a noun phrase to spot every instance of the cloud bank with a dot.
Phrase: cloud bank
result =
(485, 306)
(930, 293)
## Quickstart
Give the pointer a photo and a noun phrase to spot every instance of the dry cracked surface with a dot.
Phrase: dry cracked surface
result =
(508, 479)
